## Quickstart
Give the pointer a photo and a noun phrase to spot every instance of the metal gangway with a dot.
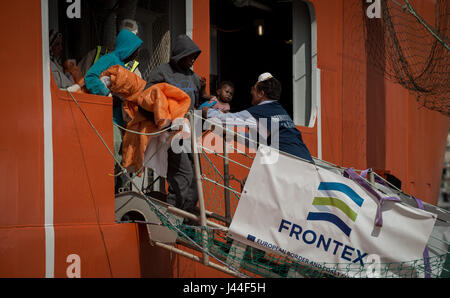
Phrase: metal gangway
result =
(220, 179)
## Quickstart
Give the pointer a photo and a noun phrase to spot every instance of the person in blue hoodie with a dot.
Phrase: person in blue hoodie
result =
(125, 50)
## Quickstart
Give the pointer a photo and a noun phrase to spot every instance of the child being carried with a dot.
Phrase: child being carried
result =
(223, 98)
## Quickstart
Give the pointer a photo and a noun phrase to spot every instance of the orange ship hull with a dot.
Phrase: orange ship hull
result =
(57, 190)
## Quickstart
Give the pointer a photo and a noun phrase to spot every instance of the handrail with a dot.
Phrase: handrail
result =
(206, 225)
(198, 178)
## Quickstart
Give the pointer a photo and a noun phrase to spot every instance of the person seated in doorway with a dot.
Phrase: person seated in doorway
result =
(62, 80)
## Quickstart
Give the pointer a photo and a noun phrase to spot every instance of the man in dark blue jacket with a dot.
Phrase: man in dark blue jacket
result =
(265, 95)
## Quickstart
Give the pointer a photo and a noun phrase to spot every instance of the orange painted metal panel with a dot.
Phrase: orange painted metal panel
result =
(83, 183)
(104, 250)
(154, 262)
(187, 268)
(353, 81)
(22, 252)
(200, 35)
(22, 143)
(427, 134)
(397, 133)
(328, 14)
(309, 135)
(331, 118)
(409, 142)
(84, 191)
(368, 121)
(329, 61)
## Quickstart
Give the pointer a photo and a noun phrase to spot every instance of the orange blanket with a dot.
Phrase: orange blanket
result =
(165, 101)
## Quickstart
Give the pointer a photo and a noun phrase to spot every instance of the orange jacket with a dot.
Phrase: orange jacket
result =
(165, 101)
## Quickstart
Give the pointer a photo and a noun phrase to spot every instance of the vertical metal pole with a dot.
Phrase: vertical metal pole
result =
(162, 185)
(371, 177)
(198, 178)
(226, 179)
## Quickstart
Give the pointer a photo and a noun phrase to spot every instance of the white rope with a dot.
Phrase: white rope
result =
(226, 129)
(148, 200)
(156, 207)
(246, 138)
(220, 155)
(142, 133)
(216, 183)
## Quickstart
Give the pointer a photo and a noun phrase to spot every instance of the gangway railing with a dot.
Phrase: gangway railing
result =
(212, 234)
(218, 200)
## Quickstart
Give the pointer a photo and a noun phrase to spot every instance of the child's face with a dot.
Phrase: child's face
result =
(225, 93)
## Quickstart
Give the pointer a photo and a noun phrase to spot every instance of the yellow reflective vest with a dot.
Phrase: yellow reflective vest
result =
(131, 66)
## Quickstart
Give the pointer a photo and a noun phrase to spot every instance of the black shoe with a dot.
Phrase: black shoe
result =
(158, 195)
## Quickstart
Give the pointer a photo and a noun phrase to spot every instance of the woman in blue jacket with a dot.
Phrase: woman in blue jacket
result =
(125, 49)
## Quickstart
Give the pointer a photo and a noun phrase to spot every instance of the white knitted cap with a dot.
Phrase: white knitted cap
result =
(265, 76)
(130, 25)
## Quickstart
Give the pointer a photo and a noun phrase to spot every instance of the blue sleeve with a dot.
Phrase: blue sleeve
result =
(92, 77)
(208, 104)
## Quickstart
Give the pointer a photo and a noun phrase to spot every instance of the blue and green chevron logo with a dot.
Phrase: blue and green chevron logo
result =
(337, 203)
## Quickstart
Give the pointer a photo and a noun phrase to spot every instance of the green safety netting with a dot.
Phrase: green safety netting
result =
(405, 49)
(410, 45)
(223, 176)
(253, 262)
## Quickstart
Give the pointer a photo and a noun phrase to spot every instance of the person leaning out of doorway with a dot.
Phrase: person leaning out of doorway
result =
(93, 55)
(125, 50)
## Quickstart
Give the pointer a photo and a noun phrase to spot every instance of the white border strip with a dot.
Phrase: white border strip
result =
(48, 147)
(189, 17)
(319, 115)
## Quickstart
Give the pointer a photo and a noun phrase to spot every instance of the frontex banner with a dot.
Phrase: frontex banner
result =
(315, 216)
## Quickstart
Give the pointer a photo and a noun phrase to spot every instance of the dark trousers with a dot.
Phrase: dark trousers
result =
(121, 182)
(181, 178)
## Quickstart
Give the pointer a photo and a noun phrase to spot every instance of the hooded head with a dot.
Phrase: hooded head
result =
(184, 52)
(126, 44)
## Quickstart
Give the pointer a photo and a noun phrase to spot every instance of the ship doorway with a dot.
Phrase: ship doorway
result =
(247, 39)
